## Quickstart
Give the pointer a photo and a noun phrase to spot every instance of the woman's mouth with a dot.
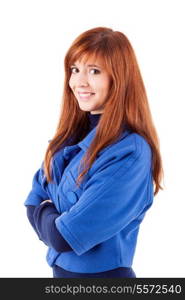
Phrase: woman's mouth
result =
(85, 95)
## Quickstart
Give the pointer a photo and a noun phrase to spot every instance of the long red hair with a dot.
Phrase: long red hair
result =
(127, 102)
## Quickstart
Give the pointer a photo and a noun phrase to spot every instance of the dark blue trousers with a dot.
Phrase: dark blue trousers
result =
(59, 272)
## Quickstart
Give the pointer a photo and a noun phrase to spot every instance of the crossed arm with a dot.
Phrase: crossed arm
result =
(42, 218)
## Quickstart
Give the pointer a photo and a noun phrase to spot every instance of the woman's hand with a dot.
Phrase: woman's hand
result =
(48, 200)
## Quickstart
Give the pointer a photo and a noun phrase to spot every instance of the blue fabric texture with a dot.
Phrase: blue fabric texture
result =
(99, 220)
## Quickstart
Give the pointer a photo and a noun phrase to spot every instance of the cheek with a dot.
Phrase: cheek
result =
(106, 88)
(104, 85)
(71, 83)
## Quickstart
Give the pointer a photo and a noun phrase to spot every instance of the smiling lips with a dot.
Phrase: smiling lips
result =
(85, 95)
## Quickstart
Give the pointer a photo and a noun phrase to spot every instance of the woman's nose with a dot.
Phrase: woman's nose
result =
(82, 80)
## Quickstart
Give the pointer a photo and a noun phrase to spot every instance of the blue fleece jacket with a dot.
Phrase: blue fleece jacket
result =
(42, 219)
(100, 220)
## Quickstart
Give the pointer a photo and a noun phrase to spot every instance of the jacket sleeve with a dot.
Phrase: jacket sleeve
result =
(38, 192)
(29, 211)
(44, 217)
(112, 199)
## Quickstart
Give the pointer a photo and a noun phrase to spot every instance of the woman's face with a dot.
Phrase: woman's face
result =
(90, 84)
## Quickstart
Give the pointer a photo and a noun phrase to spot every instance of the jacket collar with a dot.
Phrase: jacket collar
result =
(85, 143)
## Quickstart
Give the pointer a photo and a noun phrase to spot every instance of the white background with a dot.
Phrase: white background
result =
(34, 38)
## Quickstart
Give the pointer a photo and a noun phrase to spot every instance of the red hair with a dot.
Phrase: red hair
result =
(127, 102)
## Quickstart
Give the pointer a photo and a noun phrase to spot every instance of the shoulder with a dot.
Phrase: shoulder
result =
(130, 144)
(142, 147)
(130, 150)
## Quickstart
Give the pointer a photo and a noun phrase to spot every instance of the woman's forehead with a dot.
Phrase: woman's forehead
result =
(90, 60)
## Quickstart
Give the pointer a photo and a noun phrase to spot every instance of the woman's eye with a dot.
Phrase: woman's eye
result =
(73, 69)
(96, 71)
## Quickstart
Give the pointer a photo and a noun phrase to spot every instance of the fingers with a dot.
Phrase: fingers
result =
(48, 200)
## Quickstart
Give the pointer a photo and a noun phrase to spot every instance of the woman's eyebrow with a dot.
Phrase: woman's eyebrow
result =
(91, 65)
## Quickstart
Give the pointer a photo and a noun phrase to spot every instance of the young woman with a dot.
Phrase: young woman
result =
(97, 179)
